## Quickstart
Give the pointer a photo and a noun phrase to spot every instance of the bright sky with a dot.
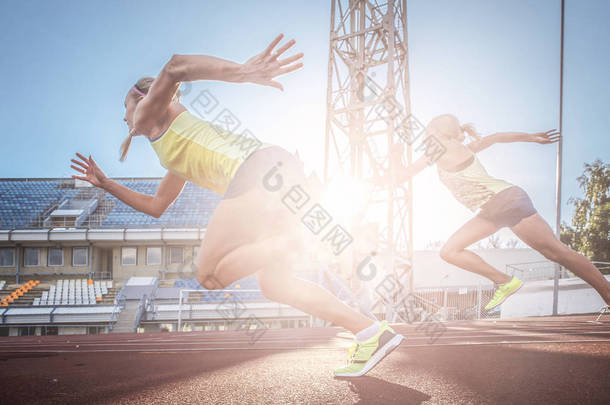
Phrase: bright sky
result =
(66, 66)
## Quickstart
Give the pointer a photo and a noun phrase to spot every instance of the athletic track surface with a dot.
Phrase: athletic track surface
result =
(560, 360)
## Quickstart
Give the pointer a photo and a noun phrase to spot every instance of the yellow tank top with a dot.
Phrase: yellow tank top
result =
(472, 186)
(203, 153)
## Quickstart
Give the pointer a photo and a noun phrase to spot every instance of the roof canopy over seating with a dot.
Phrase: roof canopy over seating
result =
(28, 203)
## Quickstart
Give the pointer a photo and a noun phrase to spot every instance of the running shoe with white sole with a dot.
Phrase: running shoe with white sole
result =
(363, 356)
(503, 292)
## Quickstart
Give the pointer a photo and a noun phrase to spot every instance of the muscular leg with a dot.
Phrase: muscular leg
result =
(246, 236)
(236, 222)
(534, 231)
(272, 257)
(454, 251)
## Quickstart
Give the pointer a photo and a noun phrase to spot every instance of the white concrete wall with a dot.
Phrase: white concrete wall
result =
(432, 271)
(535, 298)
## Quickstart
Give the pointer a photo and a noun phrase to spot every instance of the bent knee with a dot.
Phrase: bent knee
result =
(274, 286)
(268, 292)
(267, 285)
(447, 253)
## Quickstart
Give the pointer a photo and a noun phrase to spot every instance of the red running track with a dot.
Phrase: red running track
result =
(536, 360)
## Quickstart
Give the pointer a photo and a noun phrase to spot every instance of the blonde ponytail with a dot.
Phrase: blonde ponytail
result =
(469, 129)
(140, 90)
(125, 147)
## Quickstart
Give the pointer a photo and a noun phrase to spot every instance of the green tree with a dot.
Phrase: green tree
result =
(590, 230)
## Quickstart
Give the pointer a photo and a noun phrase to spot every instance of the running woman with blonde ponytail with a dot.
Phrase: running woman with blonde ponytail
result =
(499, 204)
(251, 231)
(139, 90)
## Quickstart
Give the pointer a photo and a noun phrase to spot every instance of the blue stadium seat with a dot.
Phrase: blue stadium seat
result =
(22, 202)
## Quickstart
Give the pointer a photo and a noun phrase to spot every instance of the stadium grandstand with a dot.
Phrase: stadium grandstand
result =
(75, 259)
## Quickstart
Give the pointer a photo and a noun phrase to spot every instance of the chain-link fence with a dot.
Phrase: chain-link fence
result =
(228, 306)
(536, 271)
(453, 303)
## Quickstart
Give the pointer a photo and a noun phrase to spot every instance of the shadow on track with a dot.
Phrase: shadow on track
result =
(372, 390)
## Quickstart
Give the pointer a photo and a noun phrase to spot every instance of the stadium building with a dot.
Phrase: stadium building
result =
(75, 259)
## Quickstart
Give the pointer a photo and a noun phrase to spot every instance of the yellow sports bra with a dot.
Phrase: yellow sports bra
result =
(203, 153)
(471, 185)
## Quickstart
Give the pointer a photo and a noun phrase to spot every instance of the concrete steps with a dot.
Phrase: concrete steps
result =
(127, 318)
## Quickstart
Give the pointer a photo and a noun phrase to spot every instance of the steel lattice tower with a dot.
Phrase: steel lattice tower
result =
(367, 102)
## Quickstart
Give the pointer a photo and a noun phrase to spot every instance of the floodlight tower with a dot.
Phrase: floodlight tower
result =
(367, 104)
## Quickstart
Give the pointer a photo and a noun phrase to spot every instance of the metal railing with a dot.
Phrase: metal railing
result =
(602, 266)
(142, 307)
(185, 295)
(119, 305)
(101, 275)
(536, 271)
(417, 308)
(545, 270)
(46, 275)
(453, 303)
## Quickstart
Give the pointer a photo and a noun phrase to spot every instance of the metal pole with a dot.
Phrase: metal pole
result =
(90, 258)
(329, 103)
(163, 260)
(407, 90)
(19, 253)
(479, 293)
(559, 163)
(390, 86)
(180, 313)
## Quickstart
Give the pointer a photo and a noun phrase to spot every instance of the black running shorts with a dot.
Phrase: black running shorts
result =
(508, 207)
(269, 168)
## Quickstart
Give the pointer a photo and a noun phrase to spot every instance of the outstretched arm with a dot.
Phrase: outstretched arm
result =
(551, 136)
(155, 206)
(260, 69)
(401, 173)
(406, 173)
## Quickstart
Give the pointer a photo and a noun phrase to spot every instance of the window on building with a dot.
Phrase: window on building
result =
(7, 257)
(80, 256)
(31, 257)
(94, 330)
(27, 331)
(176, 255)
(129, 256)
(56, 257)
(49, 330)
(195, 254)
(153, 256)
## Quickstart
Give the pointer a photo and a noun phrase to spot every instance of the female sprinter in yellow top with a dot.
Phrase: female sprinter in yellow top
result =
(249, 232)
(500, 204)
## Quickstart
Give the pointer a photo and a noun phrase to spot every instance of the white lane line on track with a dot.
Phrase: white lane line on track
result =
(521, 342)
(402, 346)
(248, 346)
(78, 339)
(243, 342)
(272, 341)
(177, 342)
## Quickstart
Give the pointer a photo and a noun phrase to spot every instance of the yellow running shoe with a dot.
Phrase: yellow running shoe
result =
(503, 292)
(363, 356)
